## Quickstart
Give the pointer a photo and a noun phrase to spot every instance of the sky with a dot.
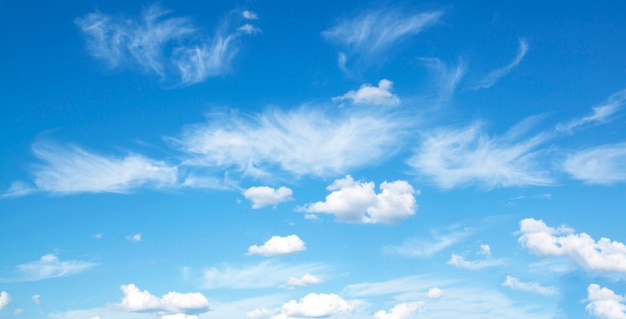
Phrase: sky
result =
(312, 159)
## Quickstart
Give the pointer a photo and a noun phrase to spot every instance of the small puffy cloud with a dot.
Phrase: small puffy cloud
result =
(533, 287)
(317, 305)
(49, 266)
(5, 299)
(262, 196)
(598, 165)
(172, 303)
(305, 280)
(263, 275)
(459, 157)
(371, 95)
(460, 262)
(603, 255)
(37, 299)
(434, 293)
(249, 29)
(495, 75)
(135, 237)
(604, 303)
(601, 113)
(485, 250)
(400, 311)
(249, 15)
(278, 246)
(357, 202)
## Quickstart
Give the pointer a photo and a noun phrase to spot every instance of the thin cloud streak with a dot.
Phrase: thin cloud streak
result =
(493, 76)
(602, 165)
(601, 113)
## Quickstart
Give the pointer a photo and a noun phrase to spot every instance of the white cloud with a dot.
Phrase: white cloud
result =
(404, 285)
(166, 46)
(135, 237)
(174, 303)
(460, 262)
(262, 196)
(599, 165)
(249, 29)
(400, 311)
(278, 246)
(37, 299)
(317, 305)
(369, 35)
(434, 292)
(485, 250)
(604, 303)
(371, 95)
(458, 157)
(602, 255)
(18, 188)
(49, 266)
(495, 75)
(300, 141)
(179, 316)
(249, 15)
(263, 275)
(5, 299)
(357, 202)
(601, 113)
(446, 77)
(421, 247)
(305, 280)
(73, 170)
(533, 287)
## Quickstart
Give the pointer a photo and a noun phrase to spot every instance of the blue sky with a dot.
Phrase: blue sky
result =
(257, 159)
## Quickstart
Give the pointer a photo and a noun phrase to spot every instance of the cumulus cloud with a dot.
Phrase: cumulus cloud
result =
(533, 287)
(300, 141)
(163, 45)
(604, 303)
(400, 311)
(49, 266)
(263, 275)
(495, 75)
(458, 157)
(371, 95)
(485, 250)
(460, 262)
(71, 169)
(603, 255)
(179, 316)
(598, 165)
(600, 114)
(278, 246)
(262, 196)
(305, 280)
(366, 37)
(317, 305)
(172, 303)
(5, 299)
(434, 292)
(357, 202)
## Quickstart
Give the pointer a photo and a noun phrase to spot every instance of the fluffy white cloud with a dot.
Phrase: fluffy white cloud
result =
(300, 141)
(598, 165)
(458, 157)
(263, 275)
(357, 202)
(73, 170)
(278, 246)
(5, 299)
(400, 311)
(371, 95)
(49, 266)
(533, 287)
(604, 303)
(173, 303)
(166, 46)
(262, 196)
(485, 250)
(434, 293)
(460, 262)
(601, 255)
(368, 36)
(601, 113)
(317, 305)
(495, 75)
(179, 316)
(305, 280)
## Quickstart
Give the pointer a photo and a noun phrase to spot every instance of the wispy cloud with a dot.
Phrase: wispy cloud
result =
(598, 165)
(601, 113)
(302, 141)
(495, 75)
(70, 169)
(18, 188)
(49, 266)
(264, 275)
(421, 247)
(533, 287)
(366, 37)
(371, 95)
(446, 77)
(163, 45)
(461, 262)
(453, 157)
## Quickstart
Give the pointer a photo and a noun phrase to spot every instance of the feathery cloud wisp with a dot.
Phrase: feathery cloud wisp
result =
(495, 75)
